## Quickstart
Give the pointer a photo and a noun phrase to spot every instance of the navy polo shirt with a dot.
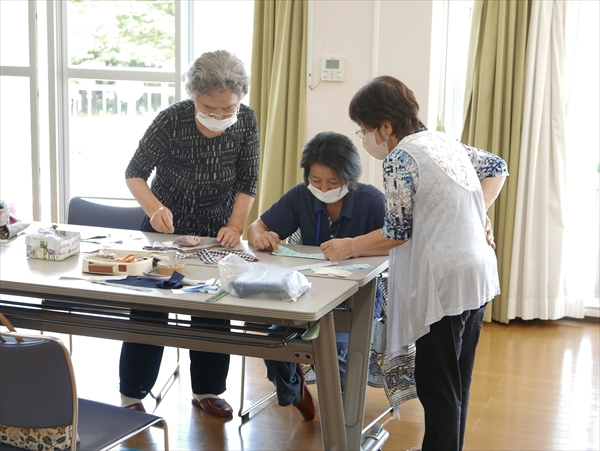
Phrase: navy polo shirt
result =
(363, 211)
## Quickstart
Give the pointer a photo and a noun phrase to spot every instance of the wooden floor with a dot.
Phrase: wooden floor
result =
(535, 387)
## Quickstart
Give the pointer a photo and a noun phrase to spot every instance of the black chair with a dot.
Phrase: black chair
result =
(38, 390)
(105, 212)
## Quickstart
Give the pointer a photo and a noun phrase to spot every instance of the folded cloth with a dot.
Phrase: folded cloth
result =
(244, 279)
(8, 231)
(281, 286)
(173, 283)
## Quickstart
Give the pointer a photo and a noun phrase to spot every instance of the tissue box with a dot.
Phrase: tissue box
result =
(52, 244)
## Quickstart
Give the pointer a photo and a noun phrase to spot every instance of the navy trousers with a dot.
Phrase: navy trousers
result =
(287, 383)
(443, 370)
(140, 363)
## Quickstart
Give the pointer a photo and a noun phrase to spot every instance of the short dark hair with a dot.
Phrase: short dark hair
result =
(337, 152)
(386, 99)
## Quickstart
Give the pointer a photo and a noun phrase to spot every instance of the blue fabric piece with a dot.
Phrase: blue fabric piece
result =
(134, 281)
(173, 283)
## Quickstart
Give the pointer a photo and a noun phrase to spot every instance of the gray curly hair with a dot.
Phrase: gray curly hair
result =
(215, 71)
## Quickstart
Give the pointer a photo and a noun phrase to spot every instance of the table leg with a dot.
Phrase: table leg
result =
(358, 362)
(328, 386)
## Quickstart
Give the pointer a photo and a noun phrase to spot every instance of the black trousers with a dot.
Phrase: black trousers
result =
(443, 370)
(140, 363)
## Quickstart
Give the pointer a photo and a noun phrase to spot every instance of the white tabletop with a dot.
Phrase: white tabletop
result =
(43, 278)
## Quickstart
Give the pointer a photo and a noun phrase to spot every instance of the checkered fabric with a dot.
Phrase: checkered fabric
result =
(211, 256)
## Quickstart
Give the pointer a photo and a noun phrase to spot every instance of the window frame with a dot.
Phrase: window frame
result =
(60, 73)
(31, 72)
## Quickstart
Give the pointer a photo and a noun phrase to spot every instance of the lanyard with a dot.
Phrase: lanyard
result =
(319, 226)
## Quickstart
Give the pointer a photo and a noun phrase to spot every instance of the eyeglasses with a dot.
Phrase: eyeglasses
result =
(361, 134)
(220, 116)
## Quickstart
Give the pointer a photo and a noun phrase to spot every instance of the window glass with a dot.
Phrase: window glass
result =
(121, 33)
(107, 120)
(14, 33)
(230, 28)
(15, 145)
(457, 48)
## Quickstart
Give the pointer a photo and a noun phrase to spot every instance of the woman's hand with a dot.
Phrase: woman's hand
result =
(337, 249)
(267, 241)
(489, 234)
(229, 236)
(162, 220)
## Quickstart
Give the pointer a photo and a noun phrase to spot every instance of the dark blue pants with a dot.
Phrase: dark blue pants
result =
(140, 363)
(287, 383)
(443, 369)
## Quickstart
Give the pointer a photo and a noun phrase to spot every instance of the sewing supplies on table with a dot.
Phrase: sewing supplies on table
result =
(112, 263)
(168, 267)
(216, 297)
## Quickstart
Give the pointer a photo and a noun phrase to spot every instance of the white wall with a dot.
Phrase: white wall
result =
(389, 37)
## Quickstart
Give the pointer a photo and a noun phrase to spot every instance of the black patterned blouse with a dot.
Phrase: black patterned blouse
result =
(197, 178)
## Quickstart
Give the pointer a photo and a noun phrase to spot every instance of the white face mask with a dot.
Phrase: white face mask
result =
(329, 197)
(379, 151)
(216, 125)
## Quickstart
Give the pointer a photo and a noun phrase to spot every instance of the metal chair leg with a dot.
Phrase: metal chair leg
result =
(163, 391)
(244, 414)
(374, 436)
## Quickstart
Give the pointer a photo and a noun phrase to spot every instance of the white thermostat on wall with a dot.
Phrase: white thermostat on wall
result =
(332, 68)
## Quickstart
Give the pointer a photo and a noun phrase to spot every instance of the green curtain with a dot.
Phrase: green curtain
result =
(493, 113)
(278, 95)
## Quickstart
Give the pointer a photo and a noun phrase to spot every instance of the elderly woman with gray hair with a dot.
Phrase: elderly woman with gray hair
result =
(205, 151)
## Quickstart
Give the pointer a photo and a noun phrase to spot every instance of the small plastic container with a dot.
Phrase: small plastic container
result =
(168, 267)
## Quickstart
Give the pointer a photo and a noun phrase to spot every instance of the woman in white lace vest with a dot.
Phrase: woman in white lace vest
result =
(444, 273)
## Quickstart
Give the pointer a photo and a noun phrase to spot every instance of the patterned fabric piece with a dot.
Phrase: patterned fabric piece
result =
(37, 439)
(188, 240)
(396, 376)
(212, 257)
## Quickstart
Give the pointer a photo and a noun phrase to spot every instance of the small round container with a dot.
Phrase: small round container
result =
(168, 267)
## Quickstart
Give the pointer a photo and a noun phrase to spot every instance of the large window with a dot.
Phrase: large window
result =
(105, 69)
(17, 78)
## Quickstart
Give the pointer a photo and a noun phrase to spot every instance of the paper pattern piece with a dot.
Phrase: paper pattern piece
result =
(331, 271)
(357, 266)
(287, 252)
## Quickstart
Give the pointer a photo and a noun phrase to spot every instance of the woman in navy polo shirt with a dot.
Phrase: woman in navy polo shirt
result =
(330, 203)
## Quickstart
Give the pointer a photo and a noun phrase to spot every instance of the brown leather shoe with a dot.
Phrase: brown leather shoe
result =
(137, 406)
(216, 407)
(306, 406)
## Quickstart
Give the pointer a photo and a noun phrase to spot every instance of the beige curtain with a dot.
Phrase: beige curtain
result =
(278, 95)
(543, 236)
(493, 113)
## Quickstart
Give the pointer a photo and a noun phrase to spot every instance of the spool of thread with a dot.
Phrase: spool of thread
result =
(168, 267)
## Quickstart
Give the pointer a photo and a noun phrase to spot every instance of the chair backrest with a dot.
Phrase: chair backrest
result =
(37, 384)
(106, 212)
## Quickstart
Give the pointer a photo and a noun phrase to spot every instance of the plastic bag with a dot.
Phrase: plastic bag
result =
(243, 279)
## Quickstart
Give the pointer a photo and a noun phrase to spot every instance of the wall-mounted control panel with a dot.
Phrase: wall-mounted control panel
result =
(332, 68)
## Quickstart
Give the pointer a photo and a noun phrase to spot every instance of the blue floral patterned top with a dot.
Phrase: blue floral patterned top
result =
(401, 181)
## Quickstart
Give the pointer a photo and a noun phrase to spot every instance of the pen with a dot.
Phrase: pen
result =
(217, 296)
